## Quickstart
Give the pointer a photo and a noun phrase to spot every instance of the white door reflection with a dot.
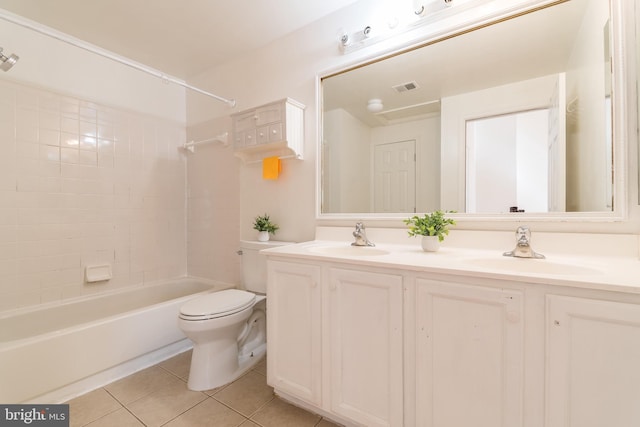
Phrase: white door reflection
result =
(508, 163)
(394, 177)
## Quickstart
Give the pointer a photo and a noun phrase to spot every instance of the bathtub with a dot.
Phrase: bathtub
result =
(51, 353)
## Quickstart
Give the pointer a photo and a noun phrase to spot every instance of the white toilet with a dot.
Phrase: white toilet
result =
(228, 327)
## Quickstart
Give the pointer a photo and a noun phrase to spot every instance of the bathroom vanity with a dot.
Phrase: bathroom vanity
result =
(393, 336)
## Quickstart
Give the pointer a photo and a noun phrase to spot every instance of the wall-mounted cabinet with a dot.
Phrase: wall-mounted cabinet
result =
(275, 129)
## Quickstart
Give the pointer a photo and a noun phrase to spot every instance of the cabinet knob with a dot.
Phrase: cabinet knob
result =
(261, 134)
(248, 136)
(274, 131)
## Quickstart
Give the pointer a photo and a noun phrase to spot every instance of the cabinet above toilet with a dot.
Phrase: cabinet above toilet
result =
(275, 129)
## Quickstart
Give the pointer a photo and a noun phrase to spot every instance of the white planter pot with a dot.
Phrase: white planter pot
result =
(430, 243)
(263, 236)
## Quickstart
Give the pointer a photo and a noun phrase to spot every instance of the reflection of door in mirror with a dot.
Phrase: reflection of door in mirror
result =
(394, 177)
(507, 163)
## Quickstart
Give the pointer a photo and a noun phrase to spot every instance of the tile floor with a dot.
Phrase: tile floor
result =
(158, 396)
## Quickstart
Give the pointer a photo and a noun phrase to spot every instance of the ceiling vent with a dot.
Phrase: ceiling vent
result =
(405, 87)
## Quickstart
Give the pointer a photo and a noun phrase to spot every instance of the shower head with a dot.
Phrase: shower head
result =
(7, 61)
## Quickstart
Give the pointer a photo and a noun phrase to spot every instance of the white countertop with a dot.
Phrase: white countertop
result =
(610, 272)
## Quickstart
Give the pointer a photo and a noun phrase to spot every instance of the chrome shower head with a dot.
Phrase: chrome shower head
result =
(7, 61)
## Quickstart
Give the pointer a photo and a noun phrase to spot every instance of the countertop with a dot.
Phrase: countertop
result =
(602, 272)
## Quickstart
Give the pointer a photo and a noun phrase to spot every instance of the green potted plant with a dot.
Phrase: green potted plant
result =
(265, 227)
(432, 227)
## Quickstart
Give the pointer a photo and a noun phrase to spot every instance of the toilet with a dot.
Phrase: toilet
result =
(228, 327)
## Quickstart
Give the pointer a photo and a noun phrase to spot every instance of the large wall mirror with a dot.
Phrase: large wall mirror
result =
(512, 116)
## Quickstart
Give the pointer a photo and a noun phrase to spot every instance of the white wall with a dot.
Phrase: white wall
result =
(213, 223)
(90, 173)
(285, 68)
(347, 146)
(51, 64)
(589, 173)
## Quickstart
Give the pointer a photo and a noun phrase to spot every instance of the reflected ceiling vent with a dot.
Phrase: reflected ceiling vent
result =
(405, 87)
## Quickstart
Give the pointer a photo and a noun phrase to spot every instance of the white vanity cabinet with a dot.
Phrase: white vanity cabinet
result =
(593, 372)
(335, 341)
(469, 355)
(365, 346)
(294, 330)
(379, 345)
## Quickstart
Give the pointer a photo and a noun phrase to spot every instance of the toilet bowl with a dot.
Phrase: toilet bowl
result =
(228, 327)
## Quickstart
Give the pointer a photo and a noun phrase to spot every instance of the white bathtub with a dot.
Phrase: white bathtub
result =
(53, 347)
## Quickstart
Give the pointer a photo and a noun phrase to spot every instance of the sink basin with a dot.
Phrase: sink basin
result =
(348, 250)
(530, 265)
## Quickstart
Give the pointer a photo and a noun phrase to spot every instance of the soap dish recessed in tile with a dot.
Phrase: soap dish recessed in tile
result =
(98, 273)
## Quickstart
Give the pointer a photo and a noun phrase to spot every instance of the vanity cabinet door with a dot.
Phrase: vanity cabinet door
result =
(365, 346)
(294, 329)
(593, 371)
(469, 361)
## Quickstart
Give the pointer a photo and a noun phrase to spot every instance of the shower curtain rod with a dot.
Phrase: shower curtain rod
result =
(47, 31)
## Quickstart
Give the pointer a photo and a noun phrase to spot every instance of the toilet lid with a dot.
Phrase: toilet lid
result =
(217, 304)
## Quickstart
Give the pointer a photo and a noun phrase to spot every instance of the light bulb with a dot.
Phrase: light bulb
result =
(375, 105)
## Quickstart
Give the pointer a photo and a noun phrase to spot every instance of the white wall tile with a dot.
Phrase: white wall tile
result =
(82, 183)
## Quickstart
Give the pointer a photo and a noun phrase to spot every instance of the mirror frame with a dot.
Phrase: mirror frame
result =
(624, 107)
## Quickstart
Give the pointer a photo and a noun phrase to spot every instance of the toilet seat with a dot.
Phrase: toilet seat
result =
(217, 304)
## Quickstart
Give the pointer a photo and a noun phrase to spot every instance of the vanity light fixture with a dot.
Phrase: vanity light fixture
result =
(357, 37)
(7, 61)
(375, 105)
(399, 20)
(421, 10)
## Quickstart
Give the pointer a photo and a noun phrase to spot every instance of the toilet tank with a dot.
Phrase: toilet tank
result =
(254, 264)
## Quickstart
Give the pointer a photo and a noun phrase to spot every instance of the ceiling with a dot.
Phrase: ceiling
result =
(179, 37)
(529, 46)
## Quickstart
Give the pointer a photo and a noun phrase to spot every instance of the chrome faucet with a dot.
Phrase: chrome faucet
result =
(523, 245)
(361, 236)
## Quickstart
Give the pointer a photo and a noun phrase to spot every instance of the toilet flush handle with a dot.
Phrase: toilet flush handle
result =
(239, 252)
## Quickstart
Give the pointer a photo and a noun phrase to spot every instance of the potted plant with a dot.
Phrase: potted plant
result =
(432, 227)
(265, 227)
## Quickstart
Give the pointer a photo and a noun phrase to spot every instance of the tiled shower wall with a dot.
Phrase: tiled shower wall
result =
(84, 184)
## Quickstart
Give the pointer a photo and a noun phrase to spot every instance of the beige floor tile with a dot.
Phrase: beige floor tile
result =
(208, 413)
(120, 418)
(165, 403)
(249, 423)
(178, 365)
(247, 394)
(327, 423)
(279, 413)
(140, 384)
(91, 406)
(261, 367)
